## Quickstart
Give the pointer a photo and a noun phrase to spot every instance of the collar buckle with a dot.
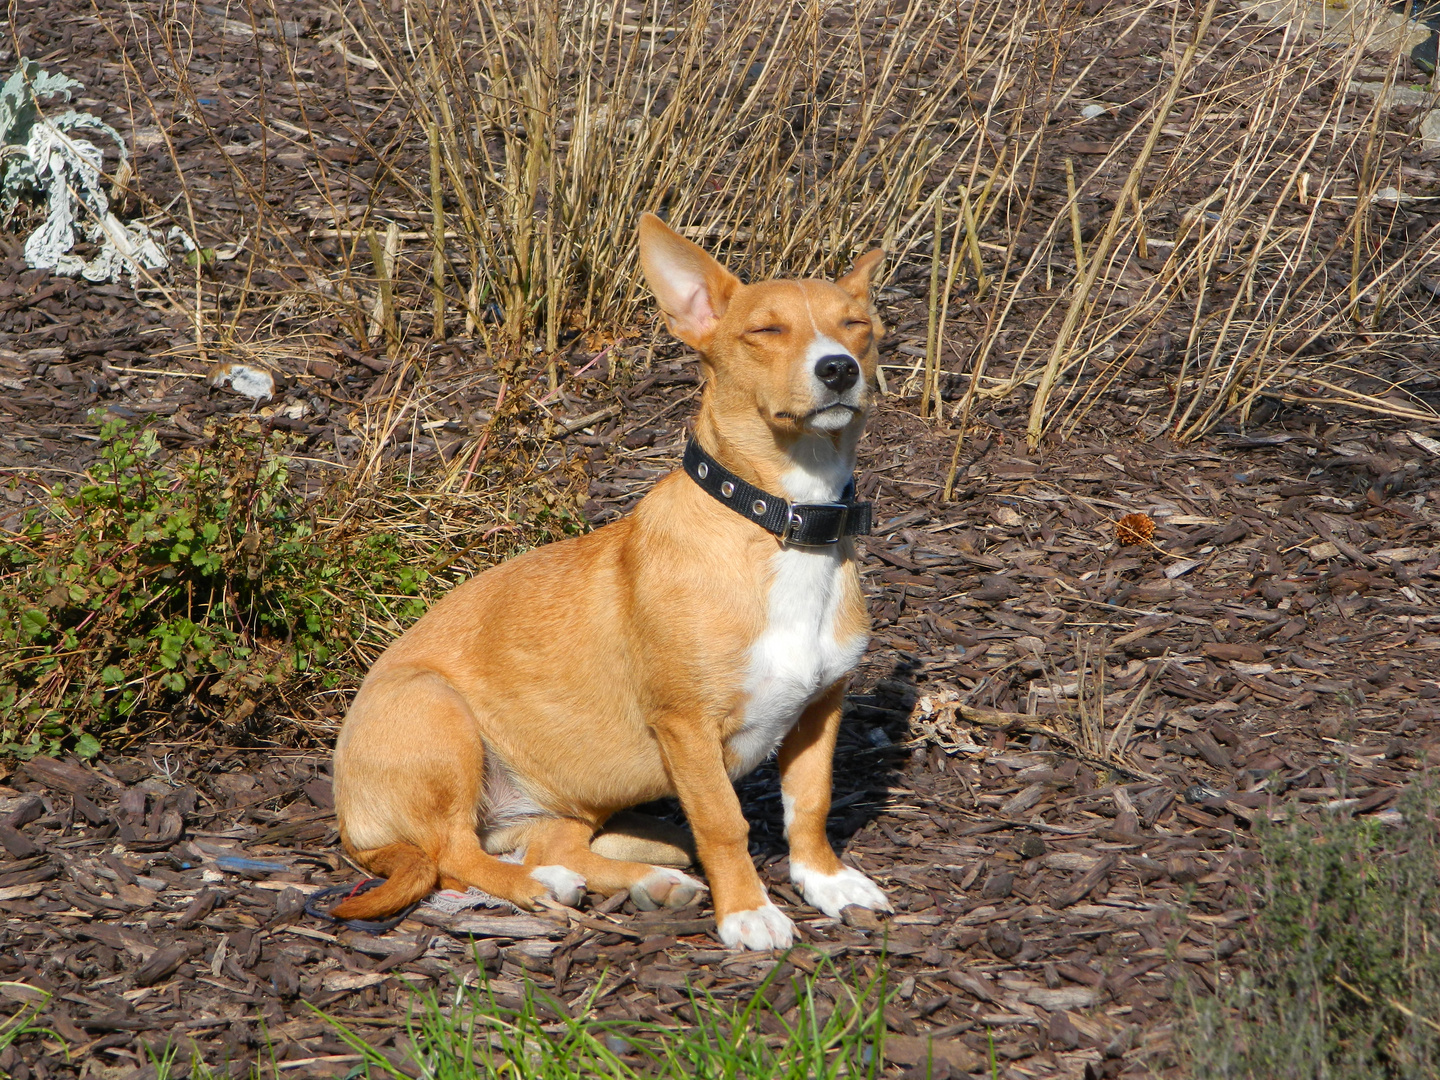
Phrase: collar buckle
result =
(816, 524)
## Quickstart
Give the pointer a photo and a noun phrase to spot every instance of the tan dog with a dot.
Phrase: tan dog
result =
(667, 653)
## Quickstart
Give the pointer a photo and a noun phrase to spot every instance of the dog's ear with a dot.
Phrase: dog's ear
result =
(857, 281)
(693, 289)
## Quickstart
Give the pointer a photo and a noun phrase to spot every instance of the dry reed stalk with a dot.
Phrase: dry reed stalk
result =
(703, 120)
(1036, 426)
(793, 160)
(1004, 300)
(957, 256)
(1074, 206)
(972, 241)
(1268, 300)
(382, 313)
(437, 258)
(930, 393)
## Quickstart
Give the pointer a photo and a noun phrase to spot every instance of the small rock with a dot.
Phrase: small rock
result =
(1062, 1033)
(1032, 847)
(859, 918)
(998, 886)
(1004, 941)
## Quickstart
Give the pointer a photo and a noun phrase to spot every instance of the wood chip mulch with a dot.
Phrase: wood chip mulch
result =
(1055, 869)
(1043, 896)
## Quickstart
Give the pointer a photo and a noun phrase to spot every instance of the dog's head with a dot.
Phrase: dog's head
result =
(799, 354)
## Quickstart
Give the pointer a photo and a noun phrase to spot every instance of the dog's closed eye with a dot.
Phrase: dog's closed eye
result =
(767, 330)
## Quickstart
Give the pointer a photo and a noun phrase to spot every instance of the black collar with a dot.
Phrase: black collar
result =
(800, 524)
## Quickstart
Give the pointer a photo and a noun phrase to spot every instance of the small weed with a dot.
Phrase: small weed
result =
(22, 1024)
(1344, 978)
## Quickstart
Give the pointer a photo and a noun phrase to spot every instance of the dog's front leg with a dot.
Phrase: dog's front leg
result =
(806, 765)
(695, 762)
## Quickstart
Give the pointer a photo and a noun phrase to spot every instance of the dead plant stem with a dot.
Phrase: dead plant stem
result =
(1036, 426)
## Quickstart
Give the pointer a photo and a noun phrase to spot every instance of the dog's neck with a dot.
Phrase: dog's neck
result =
(802, 466)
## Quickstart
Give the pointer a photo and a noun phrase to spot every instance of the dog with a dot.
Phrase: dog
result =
(666, 654)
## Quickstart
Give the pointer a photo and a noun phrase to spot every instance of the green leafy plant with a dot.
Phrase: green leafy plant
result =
(193, 585)
(1344, 975)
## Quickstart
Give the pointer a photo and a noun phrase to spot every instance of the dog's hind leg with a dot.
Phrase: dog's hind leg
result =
(409, 789)
(630, 836)
(465, 862)
(566, 841)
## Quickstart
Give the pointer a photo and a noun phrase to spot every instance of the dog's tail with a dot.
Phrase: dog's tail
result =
(410, 875)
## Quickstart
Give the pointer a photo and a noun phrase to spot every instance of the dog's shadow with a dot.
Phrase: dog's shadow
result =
(870, 757)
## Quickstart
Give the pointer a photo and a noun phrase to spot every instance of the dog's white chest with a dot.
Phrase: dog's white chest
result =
(797, 656)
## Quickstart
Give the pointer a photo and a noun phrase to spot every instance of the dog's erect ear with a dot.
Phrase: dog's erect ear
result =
(857, 281)
(693, 289)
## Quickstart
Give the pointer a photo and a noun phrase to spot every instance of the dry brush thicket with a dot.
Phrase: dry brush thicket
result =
(1232, 207)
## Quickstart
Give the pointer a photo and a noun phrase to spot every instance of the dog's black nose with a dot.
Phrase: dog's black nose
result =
(839, 372)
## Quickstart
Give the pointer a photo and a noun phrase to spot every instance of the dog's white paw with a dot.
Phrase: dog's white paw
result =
(566, 886)
(761, 928)
(832, 892)
(664, 887)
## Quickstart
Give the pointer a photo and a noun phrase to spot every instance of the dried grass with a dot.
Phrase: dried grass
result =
(1242, 276)
(523, 139)
(559, 122)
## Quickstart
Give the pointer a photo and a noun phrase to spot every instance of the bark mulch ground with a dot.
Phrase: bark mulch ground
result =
(1286, 642)
(1054, 870)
